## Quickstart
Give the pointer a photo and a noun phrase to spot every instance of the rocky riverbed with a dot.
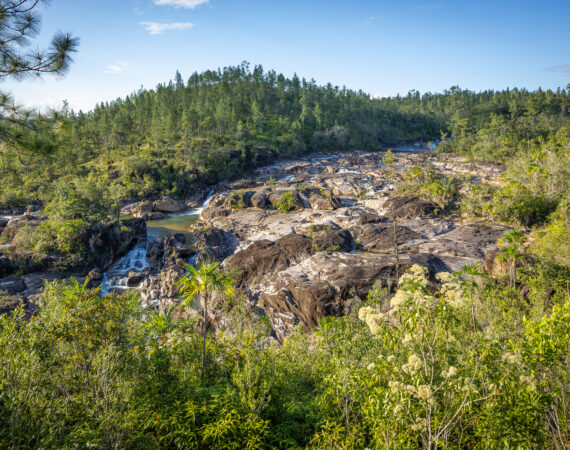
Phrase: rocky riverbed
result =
(304, 238)
(307, 238)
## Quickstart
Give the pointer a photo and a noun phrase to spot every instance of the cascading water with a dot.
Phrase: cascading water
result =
(117, 277)
(199, 210)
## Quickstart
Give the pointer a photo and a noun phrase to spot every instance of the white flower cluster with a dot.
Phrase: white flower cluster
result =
(420, 425)
(415, 274)
(512, 358)
(423, 392)
(373, 318)
(526, 379)
(416, 298)
(407, 339)
(449, 373)
(451, 291)
(413, 365)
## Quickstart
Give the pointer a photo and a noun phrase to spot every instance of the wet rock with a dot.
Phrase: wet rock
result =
(155, 251)
(157, 215)
(134, 278)
(95, 275)
(168, 205)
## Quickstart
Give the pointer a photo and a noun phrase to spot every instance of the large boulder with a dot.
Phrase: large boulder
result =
(306, 303)
(134, 278)
(320, 202)
(330, 238)
(214, 212)
(214, 244)
(258, 261)
(329, 284)
(408, 206)
(168, 205)
(141, 210)
(258, 200)
(298, 245)
(379, 237)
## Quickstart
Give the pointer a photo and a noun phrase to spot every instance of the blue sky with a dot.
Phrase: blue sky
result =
(381, 47)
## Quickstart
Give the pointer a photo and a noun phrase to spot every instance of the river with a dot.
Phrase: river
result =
(117, 276)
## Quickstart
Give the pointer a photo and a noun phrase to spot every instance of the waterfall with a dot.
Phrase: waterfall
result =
(116, 278)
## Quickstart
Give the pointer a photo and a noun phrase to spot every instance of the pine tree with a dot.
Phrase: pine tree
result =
(20, 58)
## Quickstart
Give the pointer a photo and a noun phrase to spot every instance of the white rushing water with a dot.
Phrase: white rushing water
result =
(116, 278)
(198, 211)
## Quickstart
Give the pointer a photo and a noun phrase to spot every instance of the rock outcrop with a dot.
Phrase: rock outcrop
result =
(103, 244)
(409, 207)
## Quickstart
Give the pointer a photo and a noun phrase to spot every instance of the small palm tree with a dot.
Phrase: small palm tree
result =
(470, 284)
(511, 253)
(200, 284)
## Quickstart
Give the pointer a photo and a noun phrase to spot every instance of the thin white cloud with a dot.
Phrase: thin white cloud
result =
(428, 7)
(367, 22)
(559, 69)
(159, 28)
(188, 4)
(116, 69)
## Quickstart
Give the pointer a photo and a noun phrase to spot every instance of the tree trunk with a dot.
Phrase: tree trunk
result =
(204, 330)
(513, 274)
(396, 246)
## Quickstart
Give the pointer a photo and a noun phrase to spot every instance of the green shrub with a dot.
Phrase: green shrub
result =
(286, 203)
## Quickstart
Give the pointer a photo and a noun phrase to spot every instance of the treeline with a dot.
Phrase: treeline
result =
(239, 106)
(213, 126)
(219, 124)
